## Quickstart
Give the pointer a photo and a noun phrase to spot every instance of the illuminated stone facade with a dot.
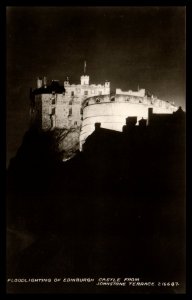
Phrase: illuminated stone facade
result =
(55, 106)
(111, 111)
(82, 105)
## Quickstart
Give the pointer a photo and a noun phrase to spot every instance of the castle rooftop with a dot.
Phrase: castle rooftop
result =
(54, 86)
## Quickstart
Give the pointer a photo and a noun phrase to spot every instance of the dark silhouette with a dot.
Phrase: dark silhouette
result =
(117, 209)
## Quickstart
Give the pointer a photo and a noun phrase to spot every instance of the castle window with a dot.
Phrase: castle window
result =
(53, 100)
(53, 111)
(72, 93)
(70, 102)
(70, 111)
(85, 93)
(75, 123)
(81, 111)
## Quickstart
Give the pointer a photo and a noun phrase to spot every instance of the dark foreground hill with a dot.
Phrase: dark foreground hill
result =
(115, 210)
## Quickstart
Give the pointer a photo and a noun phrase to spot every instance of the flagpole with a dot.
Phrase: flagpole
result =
(84, 67)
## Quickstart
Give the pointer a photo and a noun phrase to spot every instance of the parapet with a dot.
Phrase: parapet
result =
(140, 93)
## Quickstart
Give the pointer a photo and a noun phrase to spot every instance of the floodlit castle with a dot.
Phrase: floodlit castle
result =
(111, 111)
(84, 104)
(56, 106)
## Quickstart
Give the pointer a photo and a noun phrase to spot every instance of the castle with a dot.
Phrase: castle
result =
(84, 104)
(55, 106)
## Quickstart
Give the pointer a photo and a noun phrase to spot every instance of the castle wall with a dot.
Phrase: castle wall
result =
(112, 115)
(76, 113)
(51, 110)
(61, 111)
(46, 111)
(76, 94)
(85, 91)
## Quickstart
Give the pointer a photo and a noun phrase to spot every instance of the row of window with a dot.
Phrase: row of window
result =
(86, 93)
(53, 122)
(52, 111)
(73, 94)
(99, 100)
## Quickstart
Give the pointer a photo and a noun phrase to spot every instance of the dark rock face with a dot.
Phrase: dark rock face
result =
(67, 141)
(117, 208)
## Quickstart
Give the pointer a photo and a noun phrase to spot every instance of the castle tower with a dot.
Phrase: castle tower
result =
(56, 106)
(84, 80)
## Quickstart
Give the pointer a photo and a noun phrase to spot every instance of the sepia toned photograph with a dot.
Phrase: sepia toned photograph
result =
(95, 148)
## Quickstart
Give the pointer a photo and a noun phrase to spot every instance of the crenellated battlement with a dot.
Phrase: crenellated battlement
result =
(132, 99)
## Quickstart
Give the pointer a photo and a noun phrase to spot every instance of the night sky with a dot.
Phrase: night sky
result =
(129, 46)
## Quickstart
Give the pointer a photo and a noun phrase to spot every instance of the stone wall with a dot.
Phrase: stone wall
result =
(112, 111)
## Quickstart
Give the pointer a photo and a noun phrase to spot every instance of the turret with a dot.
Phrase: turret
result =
(107, 84)
(84, 80)
(66, 82)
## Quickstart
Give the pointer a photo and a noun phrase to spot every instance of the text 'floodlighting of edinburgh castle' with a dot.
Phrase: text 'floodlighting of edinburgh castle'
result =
(84, 104)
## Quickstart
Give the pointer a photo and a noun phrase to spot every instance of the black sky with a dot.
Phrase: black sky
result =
(129, 46)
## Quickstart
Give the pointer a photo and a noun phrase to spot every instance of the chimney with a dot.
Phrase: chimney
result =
(142, 122)
(150, 115)
(97, 126)
(39, 82)
(45, 82)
